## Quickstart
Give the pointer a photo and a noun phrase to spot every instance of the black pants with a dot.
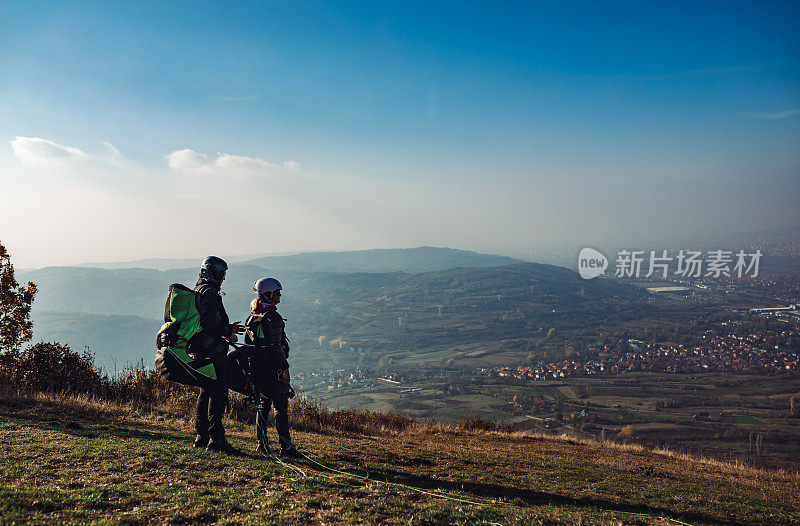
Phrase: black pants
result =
(279, 398)
(277, 394)
(213, 398)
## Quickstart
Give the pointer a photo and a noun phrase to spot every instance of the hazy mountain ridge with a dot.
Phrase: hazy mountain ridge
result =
(412, 260)
(418, 259)
(116, 312)
(172, 263)
(140, 291)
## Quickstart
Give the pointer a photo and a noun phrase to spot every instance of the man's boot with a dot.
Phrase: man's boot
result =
(200, 440)
(222, 445)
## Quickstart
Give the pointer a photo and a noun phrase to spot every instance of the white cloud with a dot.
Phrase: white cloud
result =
(112, 150)
(226, 164)
(778, 115)
(41, 152)
(187, 160)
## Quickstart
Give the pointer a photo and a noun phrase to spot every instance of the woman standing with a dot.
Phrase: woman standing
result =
(266, 330)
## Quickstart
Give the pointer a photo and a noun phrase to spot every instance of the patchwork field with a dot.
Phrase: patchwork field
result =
(715, 414)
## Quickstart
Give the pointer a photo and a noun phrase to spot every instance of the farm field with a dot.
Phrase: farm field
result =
(719, 414)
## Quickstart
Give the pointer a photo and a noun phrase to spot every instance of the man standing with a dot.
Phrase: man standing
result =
(210, 342)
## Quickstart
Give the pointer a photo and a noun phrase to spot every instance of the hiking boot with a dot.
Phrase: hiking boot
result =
(223, 446)
(200, 441)
(290, 452)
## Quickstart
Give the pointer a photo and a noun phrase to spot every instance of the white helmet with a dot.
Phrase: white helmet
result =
(267, 285)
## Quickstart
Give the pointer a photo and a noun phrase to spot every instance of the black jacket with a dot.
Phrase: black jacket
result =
(213, 318)
(270, 339)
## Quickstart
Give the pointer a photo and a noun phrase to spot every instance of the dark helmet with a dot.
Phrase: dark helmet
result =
(213, 268)
(265, 285)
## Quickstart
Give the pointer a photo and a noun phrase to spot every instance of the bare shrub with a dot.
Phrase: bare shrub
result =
(479, 424)
(313, 416)
(627, 432)
(50, 367)
(149, 390)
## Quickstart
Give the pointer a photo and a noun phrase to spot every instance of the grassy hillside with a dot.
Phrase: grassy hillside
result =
(74, 460)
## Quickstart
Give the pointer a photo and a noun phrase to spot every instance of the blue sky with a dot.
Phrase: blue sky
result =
(507, 127)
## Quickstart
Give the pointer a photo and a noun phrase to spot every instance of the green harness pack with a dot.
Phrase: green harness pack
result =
(181, 322)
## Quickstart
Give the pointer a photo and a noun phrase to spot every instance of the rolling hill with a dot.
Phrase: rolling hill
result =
(419, 259)
(456, 311)
(411, 260)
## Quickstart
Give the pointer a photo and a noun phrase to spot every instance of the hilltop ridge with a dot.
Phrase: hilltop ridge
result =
(410, 260)
(414, 259)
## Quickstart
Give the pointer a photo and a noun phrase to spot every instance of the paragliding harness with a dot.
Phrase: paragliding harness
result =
(253, 331)
(181, 322)
(177, 360)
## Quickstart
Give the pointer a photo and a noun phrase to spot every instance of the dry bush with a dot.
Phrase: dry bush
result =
(49, 367)
(313, 416)
(147, 389)
(627, 432)
(479, 424)
(56, 368)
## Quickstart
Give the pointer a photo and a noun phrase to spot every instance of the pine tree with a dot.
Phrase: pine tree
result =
(16, 326)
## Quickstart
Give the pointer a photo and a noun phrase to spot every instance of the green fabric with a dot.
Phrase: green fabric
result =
(183, 312)
(192, 368)
(183, 309)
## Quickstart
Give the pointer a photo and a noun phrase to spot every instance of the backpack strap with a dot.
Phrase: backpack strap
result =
(253, 328)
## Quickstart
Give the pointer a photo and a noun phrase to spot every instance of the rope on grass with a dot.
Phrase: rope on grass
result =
(433, 493)
(443, 495)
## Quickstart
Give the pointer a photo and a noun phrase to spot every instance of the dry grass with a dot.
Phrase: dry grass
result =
(312, 416)
(526, 474)
(612, 452)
